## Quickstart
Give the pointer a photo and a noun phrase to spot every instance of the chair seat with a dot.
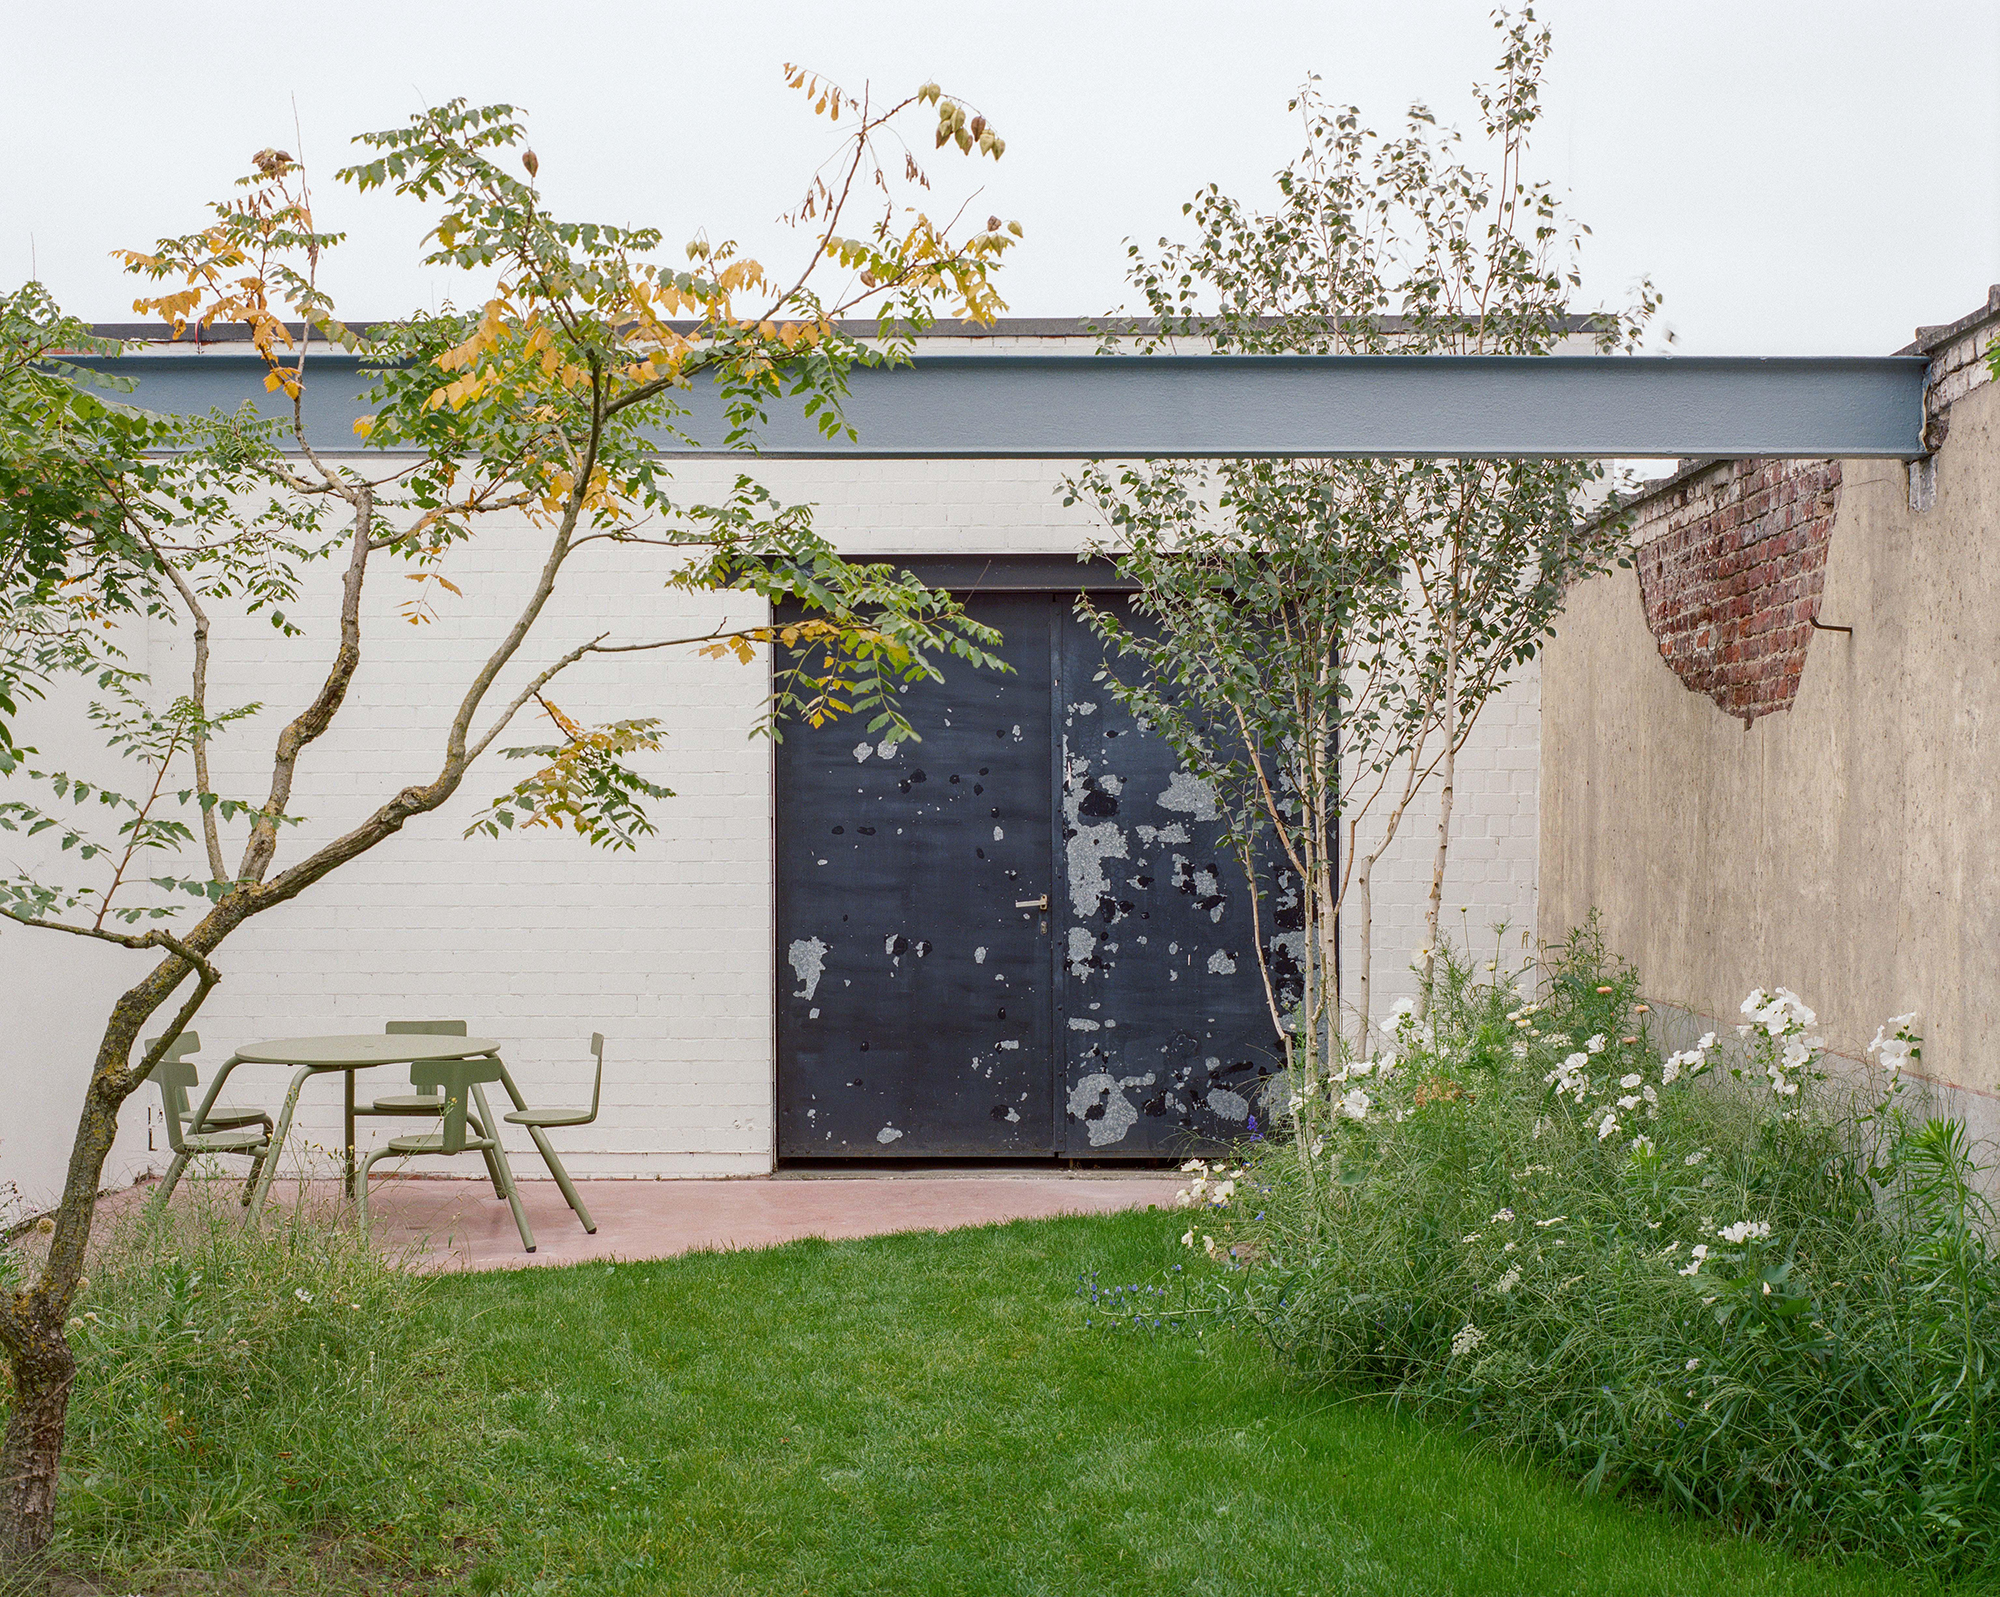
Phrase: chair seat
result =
(411, 1103)
(247, 1141)
(434, 1143)
(229, 1116)
(549, 1117)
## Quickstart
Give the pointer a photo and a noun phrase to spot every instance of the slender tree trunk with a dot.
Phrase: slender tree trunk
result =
(1364, 972)
(32, 1324)
(32, 1321)
(44, 1369)
(1447, 770)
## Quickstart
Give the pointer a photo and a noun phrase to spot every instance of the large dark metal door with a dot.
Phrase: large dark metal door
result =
(1015, 937)
(915, 1010)
(1166, 1027)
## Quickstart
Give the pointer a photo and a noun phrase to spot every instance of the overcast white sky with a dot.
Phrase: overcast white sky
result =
(1810, 177)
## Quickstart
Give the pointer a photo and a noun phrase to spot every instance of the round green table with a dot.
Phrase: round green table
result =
(317, 1056)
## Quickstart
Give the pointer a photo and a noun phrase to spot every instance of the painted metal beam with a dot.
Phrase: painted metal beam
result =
(1069, 407)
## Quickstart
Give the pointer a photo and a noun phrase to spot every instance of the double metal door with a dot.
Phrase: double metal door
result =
(1016, 937)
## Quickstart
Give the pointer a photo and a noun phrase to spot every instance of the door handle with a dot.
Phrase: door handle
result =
(1041, 903)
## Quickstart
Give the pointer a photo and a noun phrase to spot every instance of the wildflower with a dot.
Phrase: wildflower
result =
(302, 1294)
(1604, 989)
(1596, 1043)
(1468, 1338)
(1509, 1247)
(1894, 1045)
(1631, 1081)
(1520, 1050)
(1552, 1220)
(1744, 1230)
(1608, 1126)
(1509, 1281)
(1492, 964)
(1696, 1157)
(1767, 1289)
(1694, 1364)
(1187, 1238)
(1208, 1245)
(1642, 1009)
(1355, 1104)
(1503, 1214)
(1643, 1146)
(1696, 1258)
(1630, 1101)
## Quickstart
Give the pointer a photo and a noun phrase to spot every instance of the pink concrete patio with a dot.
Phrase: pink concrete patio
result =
(460, 1225)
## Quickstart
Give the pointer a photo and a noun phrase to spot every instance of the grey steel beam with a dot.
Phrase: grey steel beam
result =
(1069, 407)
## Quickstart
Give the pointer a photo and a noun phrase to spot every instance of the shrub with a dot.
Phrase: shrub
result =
(248, 1392)
(1750, 1290)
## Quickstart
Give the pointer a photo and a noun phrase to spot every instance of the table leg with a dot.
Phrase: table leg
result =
(278, 1132)
(348, 1127)
(506, 1170)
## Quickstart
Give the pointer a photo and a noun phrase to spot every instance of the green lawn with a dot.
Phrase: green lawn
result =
(924, 1414)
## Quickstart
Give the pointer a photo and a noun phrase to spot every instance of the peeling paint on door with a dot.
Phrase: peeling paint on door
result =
(808, 957)
(1099, 1101)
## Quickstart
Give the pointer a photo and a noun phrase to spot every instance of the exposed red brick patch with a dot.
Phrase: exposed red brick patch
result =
(1731, 564)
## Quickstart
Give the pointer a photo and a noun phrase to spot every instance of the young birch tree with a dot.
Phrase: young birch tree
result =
(1422, 585)
(545, 403)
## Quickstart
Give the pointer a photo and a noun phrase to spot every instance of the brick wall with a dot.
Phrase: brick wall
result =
(1731, 561)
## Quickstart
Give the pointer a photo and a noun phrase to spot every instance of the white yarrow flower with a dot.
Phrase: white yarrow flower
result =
(1468, 1338)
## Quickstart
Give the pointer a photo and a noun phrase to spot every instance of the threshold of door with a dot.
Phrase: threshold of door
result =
(967, 1169)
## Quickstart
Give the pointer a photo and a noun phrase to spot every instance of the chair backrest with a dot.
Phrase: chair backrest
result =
(423, 1028)
(174, 1075)
(597, 1085)
(455, 1078)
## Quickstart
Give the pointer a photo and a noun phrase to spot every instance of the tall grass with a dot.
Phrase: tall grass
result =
(1743, 1288)
(252, 1394)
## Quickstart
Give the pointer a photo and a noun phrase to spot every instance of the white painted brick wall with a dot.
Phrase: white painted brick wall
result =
(538, 939)
(1490, 871)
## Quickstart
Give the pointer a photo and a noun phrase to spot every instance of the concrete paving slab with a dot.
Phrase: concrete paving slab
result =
(460, 1225)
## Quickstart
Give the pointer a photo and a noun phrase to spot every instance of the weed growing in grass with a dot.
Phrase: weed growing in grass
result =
(1768, 1299)
(246, 1392)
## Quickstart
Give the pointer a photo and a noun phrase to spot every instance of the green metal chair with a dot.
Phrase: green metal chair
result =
(460, 1088)
(536, 1119)
(227, 1128)
(422, 1104)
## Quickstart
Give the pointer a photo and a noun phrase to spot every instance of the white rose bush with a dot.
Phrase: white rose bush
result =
(1720, 1276)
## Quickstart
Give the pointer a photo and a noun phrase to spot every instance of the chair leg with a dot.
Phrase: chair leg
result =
(562, 1179)
(499, 1156)
(172, 1180)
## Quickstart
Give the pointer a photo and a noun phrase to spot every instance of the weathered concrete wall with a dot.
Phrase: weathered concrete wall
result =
(1750, 801)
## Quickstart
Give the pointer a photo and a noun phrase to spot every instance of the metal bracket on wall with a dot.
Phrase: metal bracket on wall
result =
(1821, 626)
